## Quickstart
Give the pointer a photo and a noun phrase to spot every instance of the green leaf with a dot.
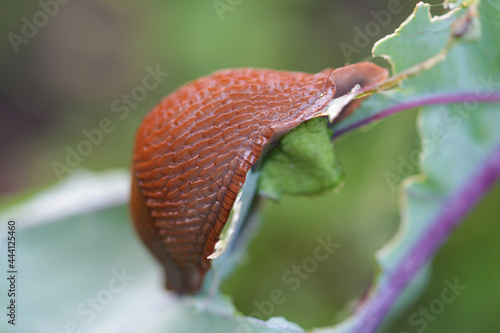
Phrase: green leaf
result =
(456, 139)
(303, 164)
(84, 268)
(420, 37)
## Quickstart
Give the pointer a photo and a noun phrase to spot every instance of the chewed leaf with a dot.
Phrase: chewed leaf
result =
(103, 259)
(103, 265)
(460, 157)
(411, 37)
(304, 163)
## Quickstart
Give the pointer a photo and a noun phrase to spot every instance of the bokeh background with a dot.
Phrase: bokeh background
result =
(65, 78)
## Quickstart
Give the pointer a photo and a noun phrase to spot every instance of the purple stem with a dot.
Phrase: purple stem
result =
(431, 100)
(372, 314)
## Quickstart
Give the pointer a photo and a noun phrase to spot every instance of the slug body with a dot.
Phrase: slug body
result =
(194, 149)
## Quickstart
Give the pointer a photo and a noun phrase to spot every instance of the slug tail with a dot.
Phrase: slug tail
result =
(183, 280)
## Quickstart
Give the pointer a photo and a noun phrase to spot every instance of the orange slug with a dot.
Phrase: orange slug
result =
(194, 149)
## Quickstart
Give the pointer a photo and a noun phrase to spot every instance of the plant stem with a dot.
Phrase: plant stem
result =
(372, 314)
(429, 100)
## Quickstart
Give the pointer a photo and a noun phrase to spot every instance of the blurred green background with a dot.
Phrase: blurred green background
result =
(65, 78)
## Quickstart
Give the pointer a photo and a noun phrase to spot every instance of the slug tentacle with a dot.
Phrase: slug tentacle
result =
(194, 149)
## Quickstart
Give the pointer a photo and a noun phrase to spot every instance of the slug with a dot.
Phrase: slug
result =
(194, 149)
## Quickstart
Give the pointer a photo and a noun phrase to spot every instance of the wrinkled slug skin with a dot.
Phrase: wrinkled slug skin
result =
(194, 149)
